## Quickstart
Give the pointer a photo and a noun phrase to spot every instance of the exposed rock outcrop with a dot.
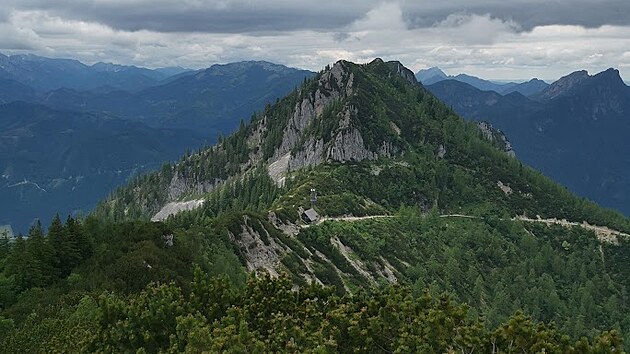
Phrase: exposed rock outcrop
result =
(302, 142)
(496, 136)
(176, 207)
(441, 152)
(180, 186)
(260, 252)
(564, 85)
(299, 150)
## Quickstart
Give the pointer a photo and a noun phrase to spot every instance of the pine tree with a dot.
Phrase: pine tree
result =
(82, 245)
(55, 238)
(42, 255)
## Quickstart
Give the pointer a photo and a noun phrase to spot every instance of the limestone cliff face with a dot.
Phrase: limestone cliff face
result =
(495, 135)
(346, 145)
(181, 186)
(299, 150)
(333, 85)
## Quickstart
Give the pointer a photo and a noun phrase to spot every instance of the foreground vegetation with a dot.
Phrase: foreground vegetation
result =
(267, 315)
(130, 290)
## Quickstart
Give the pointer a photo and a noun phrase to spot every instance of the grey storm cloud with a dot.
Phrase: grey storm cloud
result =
(249, 16)
(527, 13)
(210, 16)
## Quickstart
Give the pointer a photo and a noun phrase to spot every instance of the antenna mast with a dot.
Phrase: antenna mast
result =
(313, 197)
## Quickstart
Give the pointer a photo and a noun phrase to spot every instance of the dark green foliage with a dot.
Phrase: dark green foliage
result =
(498, 266)
(90, 256)
(268, 316)
(39, 261)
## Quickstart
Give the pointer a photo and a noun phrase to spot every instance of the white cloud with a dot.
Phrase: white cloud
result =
(14, 37)
(384, 17)
(474, 29)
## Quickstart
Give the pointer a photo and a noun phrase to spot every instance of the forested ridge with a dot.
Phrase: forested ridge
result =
(409, 282)
(134, 291)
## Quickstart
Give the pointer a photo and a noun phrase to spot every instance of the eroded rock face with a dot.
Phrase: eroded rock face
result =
(260, 252)
(180, 186)
(441, 152)
(176, 207)
(312, 154)
(492, 134)
(346, 144)
(333, 85)
(405, 73)
(486, 130)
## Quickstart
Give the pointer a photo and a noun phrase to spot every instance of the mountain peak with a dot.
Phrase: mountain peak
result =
(434, 70)
(610, 75)
(403, 71)
(377, 61)
(564, 85)
(577, 81)
(110, 67)
(329, 123)
(392, 68)
(241, 66)
(431, 75)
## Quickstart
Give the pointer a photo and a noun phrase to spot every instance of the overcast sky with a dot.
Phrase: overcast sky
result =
(496, 39)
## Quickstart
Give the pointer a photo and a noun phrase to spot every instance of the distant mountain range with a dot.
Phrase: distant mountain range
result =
(433, 75)
(46, 74)
(70, 133)
(207, 101)
(575, 131)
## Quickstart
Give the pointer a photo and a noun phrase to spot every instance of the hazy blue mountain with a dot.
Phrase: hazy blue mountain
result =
(210, 101)
(484, 85)
(173, 70)
(124, 77)
(61, 161)
(575, 131)
(528, 88)
(472, 102)
(434, 75)
(46, 74)
(205, 100)
(221, 93)
(11, 90)
(431, 75)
